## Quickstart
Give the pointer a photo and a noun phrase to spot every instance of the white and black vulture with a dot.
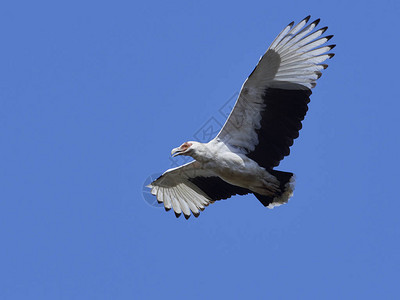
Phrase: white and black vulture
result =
(258, 133)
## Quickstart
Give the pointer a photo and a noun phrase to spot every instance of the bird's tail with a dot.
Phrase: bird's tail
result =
(286, 188)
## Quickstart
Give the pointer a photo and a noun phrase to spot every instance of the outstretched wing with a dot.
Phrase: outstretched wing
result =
(190, 188)
(273, 100)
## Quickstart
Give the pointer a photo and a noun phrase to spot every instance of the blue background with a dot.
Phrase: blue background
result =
(93, 97)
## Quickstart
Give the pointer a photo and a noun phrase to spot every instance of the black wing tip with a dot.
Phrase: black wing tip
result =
(319, 74)
(186, 216)
(332, 46)
(325, 66)
(306, 19)
(177, 215)
(196, 215)
(323, 29)
(167, 209)
(316, 22)
(329, 37)
(290, 24)
(331, 55)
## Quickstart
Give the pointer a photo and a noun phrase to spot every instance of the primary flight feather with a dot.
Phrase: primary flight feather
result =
(258, 133)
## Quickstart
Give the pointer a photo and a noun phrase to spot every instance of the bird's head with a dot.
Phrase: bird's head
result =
(184, 149)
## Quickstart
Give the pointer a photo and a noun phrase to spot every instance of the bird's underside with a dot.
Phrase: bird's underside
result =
(258, 133)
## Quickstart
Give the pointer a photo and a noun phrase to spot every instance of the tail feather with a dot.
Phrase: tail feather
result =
(286, 188)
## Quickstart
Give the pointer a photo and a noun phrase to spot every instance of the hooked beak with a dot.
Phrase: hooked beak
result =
(176, 151)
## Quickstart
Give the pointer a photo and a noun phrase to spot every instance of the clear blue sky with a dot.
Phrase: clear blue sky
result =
(94, 95)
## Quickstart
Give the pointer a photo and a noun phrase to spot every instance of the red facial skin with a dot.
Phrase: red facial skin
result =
(185, 146)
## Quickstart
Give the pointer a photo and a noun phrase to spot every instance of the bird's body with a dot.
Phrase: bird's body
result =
(233, 167)
(258, 133)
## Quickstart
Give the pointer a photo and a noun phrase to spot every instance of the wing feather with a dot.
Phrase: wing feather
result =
(292, 33)
(190, 188)
(298, 36)
(167, 199)
(181, 196)
(175, 203)
(273, 100)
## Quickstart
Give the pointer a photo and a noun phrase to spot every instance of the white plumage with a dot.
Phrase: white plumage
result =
(257, 134)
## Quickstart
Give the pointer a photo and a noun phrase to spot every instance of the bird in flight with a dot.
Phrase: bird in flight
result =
(258, 133)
